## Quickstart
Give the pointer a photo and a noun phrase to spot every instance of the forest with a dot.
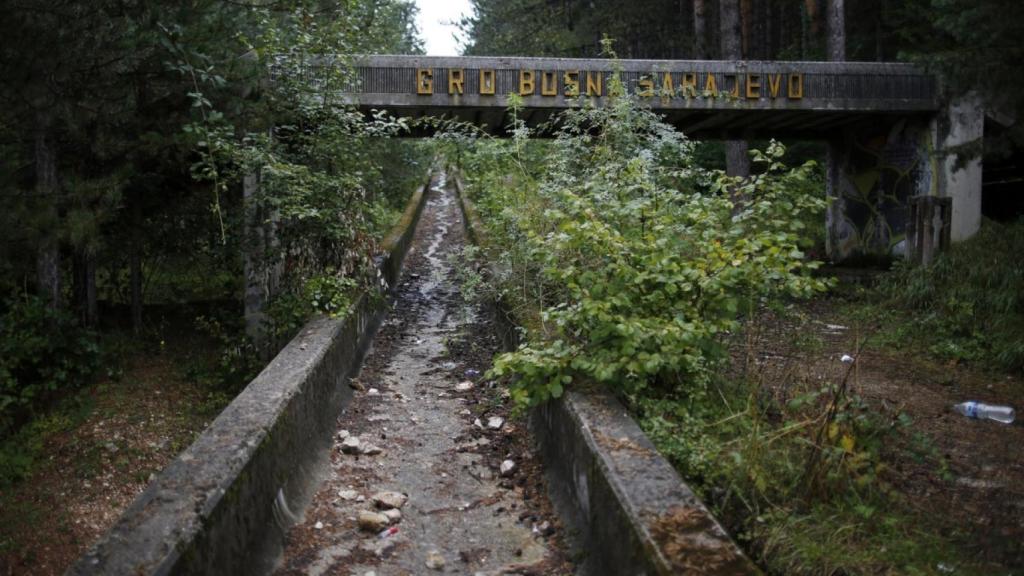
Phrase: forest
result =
(167, 164)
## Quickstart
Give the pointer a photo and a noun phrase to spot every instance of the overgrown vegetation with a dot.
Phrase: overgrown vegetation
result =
(150, 152)
(631, 267)
(43, 353)
(967, 306)
(644, 260)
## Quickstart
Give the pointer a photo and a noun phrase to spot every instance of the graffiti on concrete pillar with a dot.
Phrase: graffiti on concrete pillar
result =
(875, 171)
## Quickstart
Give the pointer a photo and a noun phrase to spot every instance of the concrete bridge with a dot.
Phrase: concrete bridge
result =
(891, 132)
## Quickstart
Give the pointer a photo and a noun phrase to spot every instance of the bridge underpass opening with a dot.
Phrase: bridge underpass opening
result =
(891, 134)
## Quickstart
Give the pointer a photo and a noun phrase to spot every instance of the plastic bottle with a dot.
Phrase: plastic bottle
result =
(1003, 414)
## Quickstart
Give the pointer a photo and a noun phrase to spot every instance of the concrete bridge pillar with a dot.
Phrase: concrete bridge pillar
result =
(875, 169)
(958, 130)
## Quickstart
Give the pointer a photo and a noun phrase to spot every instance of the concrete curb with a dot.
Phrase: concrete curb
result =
(223, 505)
(629, 511)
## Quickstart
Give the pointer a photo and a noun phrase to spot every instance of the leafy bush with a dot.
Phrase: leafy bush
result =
(238, 360)
(331, 295)
(20, 451)
(42, 354)
(647, 260)
(631, 266)
(969, 303)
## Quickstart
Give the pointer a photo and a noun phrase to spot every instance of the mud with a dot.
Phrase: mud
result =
(460, 511)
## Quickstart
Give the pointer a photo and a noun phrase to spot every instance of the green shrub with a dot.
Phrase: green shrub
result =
(969, 303)
(43, 353)
(631, 266)
(237, 362)
(646, 260)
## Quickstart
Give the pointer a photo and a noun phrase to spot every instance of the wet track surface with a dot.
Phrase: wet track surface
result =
(426, 431)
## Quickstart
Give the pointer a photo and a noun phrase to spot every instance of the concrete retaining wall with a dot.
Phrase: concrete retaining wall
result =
(628, 510)
(222, 506)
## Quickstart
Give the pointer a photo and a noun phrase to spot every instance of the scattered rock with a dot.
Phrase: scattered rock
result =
(350, 445)
(318, 526)
(478, 423)
(545, 528)
(472, 373)
(507, 468)
(385, 548)
(388, 500)
(380, 549)
(356, 385)
(978, 484)
(371, 450)
(373, 392)
(342, 434)
(434, 560)
(371, 521)
(348, 494)
(394, 515)
(464, 386)
(495, 422)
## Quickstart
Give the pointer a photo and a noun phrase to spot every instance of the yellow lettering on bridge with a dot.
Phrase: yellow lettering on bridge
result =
(526, 82)
(749, 86)
(796, 87)
(548, 84)
(487, 84)
(455, 81)
(424, 81)
(572, 83)
(774, 84)
(594, 87)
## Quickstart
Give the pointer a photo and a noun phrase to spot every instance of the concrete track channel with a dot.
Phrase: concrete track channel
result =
(427, 472)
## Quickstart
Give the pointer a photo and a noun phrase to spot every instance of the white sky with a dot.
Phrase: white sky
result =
(436, 22)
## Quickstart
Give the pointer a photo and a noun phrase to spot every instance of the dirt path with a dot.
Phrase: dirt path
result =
(440, 445)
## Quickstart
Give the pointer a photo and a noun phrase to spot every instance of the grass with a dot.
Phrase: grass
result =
(751, 469)
(746, 447)
(843, 539)
(968, 306)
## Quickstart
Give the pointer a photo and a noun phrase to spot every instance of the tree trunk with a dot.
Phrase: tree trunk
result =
(84, 286)
(836, 31)
(813, 16)
(737, 162)
(729, 19)
(746, 27)
(879, 32)
(253, 260)
(47, 188)
(135, 266)
(836, 49)
(700, 32)
(90, 306)
(737, 158)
